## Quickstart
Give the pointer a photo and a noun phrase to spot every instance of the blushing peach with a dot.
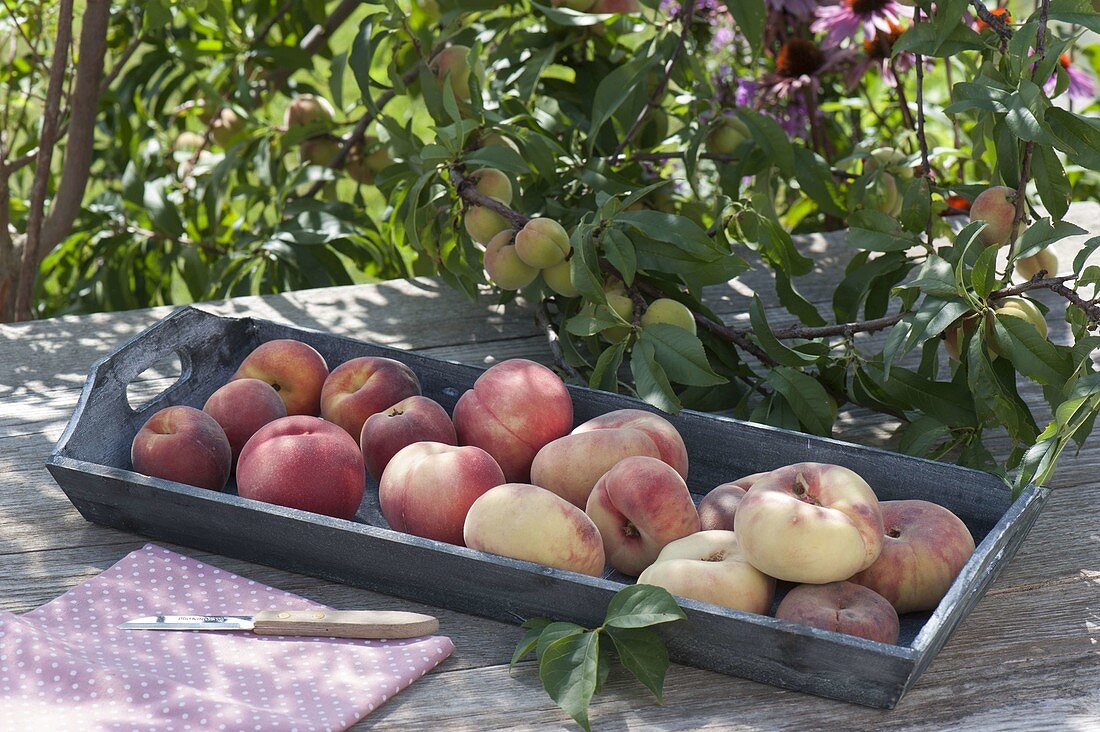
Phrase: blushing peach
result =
(570, 466)
(242, 407)
(363, 386)
(842, 607)
(415, 419)
(294, 369)
(660, 430)
(183, 444)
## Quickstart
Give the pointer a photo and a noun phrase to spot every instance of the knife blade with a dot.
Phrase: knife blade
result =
(375, 624)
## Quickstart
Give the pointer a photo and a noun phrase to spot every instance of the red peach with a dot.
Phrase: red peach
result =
(428, 487)
(923, 551)
(415, 419)
(303, 462)
(660, 430)
(639, 506)
(513, 409)
(183, 444)
(243, 406)
(295, 370)
(717, 509)
(843, 607)
(363, 386)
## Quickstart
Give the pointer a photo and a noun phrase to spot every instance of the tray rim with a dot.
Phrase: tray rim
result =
(932, 635)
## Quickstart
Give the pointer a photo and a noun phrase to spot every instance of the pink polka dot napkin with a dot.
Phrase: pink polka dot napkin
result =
(66, 665)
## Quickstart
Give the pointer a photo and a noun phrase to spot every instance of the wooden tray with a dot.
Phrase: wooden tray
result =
(91, 463)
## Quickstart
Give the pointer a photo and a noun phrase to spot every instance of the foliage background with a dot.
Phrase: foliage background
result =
(596, 130)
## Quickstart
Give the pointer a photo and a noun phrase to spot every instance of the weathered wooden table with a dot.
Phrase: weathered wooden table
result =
(1028, 658)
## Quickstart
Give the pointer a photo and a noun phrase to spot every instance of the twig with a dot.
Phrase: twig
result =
(52, 112)
(686, 14)
(359, 132)
(925, 167)
(542, 317)
(993, 21)
(1029, 146)
(467, 190)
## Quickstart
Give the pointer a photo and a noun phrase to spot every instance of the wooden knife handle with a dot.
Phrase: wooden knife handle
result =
(344, 623)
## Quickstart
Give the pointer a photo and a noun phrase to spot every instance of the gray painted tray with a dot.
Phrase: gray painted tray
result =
(91, 463)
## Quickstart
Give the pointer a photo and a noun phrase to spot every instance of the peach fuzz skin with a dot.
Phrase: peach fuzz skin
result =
(294, 369)
(843, 607)
(415, 419)
(810, 522)
(428, 487)
(513, 409)
(709, 566)
(185, 445)
(639, 506)
(360, 387)
(924, 549)
(718, 508)
(242, 407)
(303, 462)
(667, 439)
(570, 466)
(523, 521)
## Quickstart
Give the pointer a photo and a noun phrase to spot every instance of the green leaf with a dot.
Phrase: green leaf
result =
(1050, 180)
(769, 137)
(1031, 353)
(620, 252)
(922, 38)
(1087, 249)
(750, 16)
(1078, 136)
(984, 275)
(530, 639)
(1042, 234)
(948, 402)
(936, 277)
(650, 380)
(680, 231)
(1075, 12)
(640, 606)
(815, 409)
(568, 670)
(794, 301)
(554, 632)
(613, 90)
(995, 396)
(916, 206)
(162, 212)
(771, 345)
(922, 435)
(643, 654)
(680, 353)
(816, 180)
(362, 52)
(605, 374)
(1025, 114)
(877, 232)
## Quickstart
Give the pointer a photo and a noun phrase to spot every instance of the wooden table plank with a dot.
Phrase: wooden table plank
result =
(1026, 657)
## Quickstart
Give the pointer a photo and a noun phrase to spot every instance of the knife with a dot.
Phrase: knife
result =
(327, 623)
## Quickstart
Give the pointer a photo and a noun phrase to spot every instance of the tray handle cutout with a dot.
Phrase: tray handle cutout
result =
(149, 385)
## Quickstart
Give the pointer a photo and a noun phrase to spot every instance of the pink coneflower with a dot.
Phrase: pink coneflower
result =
(878, 51)
(848, 20)
(801, 9)
(1081, 84)
(783, 94)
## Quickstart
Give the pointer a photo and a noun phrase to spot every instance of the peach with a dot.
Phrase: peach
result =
(623, 306)
(727, 135)
(542, 243)
(363, 386)
(428, 487)
(503, 265)
(810, 522)
(570, 466)
(672, 312)
(842, 607)
(243, 406)
(1021, 307)
(308, 110)
(318, 151)
(559, 279)
(709, 566)
(1045, 260)
(482, 224)
(513, 409)
(997, 207)
(183, 444)
(494, 184)
(527, 522)
(889, 159)
(367, 160)
(414, 419)
(226, 127)
(718, 508)
(639, 506)
(660, 430)
(294, 369)
(303, 462)
(923, 551)
(451, 66)
(956, 335)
